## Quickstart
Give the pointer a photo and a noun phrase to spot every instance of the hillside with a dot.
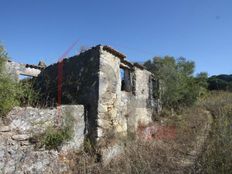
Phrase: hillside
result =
(220, 82)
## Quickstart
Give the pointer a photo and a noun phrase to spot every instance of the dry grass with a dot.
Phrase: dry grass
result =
(217, 154)
(169, 155)
(161, 155)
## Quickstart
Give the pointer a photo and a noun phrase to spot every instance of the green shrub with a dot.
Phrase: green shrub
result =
(13, 93)
(177, 85)
(54, 137)
(9, 90)
(29, 96)
(9, 95)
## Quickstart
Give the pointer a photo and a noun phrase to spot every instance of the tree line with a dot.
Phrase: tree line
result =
(220, 82)
(178, 86)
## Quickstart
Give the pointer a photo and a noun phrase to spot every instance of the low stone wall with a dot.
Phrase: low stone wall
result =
(18, 155)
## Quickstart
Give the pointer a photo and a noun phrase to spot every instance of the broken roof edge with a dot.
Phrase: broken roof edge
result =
(139, 66)
(122, 57)
(25, 65)
(33, 66)
(108, 49)
(114, 52)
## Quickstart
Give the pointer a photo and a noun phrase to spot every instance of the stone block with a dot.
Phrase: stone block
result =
(20, 137)
(5, 129)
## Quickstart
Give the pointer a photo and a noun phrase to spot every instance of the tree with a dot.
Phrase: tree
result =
(202, 83)
(178, 85)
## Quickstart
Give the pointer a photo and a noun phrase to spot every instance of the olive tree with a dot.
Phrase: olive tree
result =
(179, 87)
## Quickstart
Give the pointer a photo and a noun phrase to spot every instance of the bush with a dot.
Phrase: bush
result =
(9, 90)
(13, 93)
(9, 95)
(54, 136)
(29, 96)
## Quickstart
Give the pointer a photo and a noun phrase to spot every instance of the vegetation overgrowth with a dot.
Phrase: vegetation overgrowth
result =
(12, 92)
(172, 155)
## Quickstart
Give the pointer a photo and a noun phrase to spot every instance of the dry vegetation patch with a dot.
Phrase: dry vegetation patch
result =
(217, 153)
(159, 155)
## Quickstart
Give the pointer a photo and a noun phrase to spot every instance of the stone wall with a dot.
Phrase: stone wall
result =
(80, 84)
(119, 111)
(110, 117)
(141, 106)
(19, 155)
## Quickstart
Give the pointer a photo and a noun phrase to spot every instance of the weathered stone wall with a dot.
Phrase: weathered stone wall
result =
(80, 85)
(110, 118)
(119, 111)
(140, 106)
(19, 155)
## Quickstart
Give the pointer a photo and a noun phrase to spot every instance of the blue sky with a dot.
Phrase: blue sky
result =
(200, 30)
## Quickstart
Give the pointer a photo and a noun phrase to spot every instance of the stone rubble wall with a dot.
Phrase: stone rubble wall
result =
(120, 112)
(15, 69)
(18, 155)
(80, 83)
(110, 120)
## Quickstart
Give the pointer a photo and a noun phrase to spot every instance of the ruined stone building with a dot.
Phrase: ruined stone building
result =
(15, 69)
(117, 95)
